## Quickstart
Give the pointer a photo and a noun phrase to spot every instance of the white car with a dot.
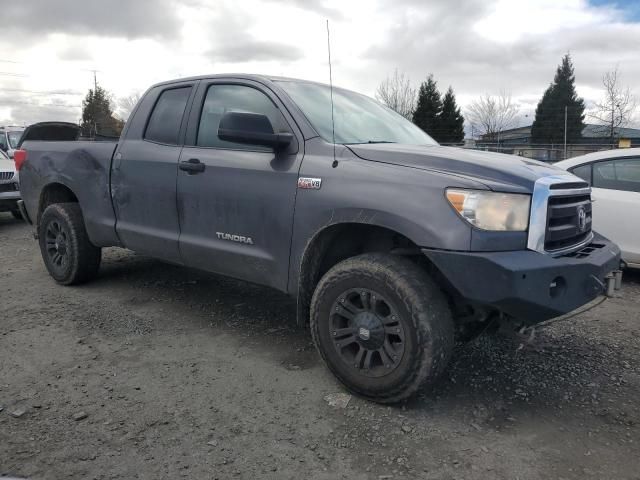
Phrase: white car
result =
(614, 176)
(9, 186)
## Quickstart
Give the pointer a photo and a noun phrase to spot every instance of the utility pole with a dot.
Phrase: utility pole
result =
(95, 77)
(565, 132)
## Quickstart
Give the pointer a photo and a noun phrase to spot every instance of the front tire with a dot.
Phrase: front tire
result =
(68, 254)
(382, 326)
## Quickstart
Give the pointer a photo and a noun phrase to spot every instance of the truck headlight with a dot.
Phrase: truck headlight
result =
(492, 210)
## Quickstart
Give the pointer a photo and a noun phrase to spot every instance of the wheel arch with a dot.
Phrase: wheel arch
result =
(54, 192)
(339, 241)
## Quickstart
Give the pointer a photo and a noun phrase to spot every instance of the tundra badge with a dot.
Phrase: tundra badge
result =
(235, 238)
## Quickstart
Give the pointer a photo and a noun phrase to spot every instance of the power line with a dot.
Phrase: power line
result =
(60, 105)
(40, 92)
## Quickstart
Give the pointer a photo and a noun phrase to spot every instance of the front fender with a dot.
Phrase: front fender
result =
(405, 200)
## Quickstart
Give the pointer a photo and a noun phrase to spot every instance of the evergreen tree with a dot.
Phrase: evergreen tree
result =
(97, 115)
(451, 128)
(429, 107)
(548, 126)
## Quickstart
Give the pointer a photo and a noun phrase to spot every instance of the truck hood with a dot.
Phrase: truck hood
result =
(496, 171)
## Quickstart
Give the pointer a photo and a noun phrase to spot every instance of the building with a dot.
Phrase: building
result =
(517, 141)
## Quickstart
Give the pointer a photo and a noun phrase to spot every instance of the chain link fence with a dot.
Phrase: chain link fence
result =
(543, 152)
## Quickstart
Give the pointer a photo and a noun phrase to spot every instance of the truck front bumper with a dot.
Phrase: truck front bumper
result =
(528, 285)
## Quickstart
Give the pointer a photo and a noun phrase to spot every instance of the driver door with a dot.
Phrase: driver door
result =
(236, 207)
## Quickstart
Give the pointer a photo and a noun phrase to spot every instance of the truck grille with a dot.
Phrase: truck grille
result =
(6, 175)
(560, 219)
(568, 221)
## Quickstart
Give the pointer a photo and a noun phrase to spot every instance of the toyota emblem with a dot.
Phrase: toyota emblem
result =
(582, 219)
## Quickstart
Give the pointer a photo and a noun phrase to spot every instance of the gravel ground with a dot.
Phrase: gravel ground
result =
(155, 371)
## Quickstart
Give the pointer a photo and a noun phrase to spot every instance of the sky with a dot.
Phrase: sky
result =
(49, 49)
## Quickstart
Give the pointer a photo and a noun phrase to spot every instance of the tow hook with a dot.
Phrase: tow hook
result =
(613, 281)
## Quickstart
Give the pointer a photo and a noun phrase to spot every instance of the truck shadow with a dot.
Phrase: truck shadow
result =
(632, 276)
(565, 367)
(7, 221)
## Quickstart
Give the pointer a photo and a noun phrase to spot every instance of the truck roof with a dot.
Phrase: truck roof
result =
(243, 76)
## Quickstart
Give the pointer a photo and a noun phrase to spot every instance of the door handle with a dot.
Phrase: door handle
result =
(193, 165)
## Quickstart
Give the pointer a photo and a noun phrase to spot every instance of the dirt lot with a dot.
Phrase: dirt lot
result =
(182, 374)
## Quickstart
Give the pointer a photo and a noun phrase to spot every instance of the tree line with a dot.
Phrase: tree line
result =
(436, 114)
(560, 111)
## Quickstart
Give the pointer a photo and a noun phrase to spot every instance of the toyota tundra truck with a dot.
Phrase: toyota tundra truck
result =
(390, 243)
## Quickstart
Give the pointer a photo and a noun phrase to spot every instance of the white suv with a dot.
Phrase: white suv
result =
(9, 138)
(614, 176)
(9, 186)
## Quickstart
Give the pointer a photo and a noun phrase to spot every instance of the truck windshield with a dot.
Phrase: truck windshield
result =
(14, 138)
(358, 119)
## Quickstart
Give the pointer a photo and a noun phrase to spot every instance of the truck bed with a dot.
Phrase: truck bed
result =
(84, 167)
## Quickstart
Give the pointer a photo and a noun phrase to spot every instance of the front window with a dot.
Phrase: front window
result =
(14, 138)
(358, 119)
(221, 99)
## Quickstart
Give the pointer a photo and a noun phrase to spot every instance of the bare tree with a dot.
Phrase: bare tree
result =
(617, 108)
(125, 105)
(397, 93)
(491, 114)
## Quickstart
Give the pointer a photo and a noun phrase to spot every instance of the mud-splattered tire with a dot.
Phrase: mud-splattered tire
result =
(66, 250)
(382, 326)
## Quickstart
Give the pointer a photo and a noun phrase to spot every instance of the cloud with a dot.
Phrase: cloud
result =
(74, 53)
(26, 107)
(250, 49)
(235, 41)
(114, 18)
(476, 46)
(319, 7)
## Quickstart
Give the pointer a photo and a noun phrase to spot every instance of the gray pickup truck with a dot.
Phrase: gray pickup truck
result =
(390, 243)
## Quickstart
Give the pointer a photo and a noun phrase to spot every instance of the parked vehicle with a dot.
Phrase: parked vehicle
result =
(388, 241)
(9, 186)
(9, 138)
(614, 176)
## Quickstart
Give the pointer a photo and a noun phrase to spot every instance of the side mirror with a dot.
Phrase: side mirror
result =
(252, 129)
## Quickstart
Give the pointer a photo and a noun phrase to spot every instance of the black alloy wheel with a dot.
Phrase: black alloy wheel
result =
(366, 332)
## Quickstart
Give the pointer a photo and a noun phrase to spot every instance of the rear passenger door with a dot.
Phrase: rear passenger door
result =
(144, 173)
(236, 213)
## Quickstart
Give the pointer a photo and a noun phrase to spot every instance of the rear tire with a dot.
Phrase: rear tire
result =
(382, 326)
(68, 254)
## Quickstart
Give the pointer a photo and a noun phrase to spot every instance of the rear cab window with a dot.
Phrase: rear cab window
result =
(166, 117)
